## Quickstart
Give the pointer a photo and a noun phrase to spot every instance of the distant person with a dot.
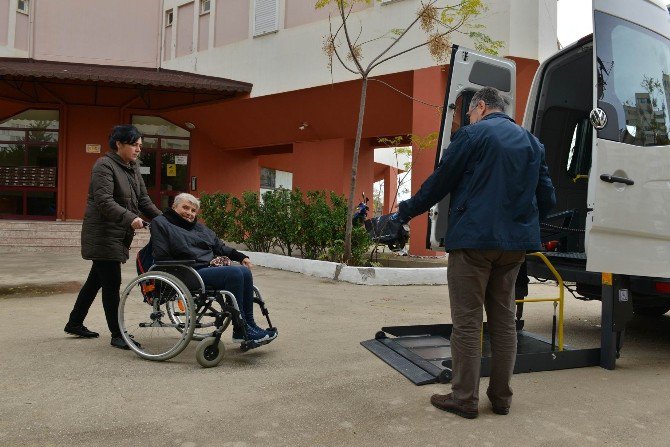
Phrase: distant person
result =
(496, 174)
(177, 234)
(116, 196)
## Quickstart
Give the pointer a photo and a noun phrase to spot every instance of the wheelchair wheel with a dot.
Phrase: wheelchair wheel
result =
(145, 310)
(204, 321)
(208, 353)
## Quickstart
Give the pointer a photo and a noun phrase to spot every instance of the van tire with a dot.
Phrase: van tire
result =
(653, 310)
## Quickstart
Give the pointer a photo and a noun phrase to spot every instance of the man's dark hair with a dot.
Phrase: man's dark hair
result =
(125, 134)
(491, 97)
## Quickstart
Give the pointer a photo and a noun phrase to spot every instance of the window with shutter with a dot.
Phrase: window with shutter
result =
(266, 16)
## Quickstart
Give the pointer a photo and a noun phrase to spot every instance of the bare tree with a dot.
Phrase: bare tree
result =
(437, 18)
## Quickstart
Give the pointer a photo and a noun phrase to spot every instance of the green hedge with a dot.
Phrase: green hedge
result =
(312, 223)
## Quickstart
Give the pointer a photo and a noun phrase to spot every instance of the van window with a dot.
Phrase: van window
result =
(461, 107)
(633, 85)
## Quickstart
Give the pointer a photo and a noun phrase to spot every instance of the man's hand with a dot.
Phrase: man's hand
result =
(247, 263)
(138, 223)
(397, 217)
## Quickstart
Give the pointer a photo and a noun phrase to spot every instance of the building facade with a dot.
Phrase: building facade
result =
(261, 98)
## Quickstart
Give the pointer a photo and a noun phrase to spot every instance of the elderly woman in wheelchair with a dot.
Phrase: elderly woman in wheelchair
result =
(192, 287)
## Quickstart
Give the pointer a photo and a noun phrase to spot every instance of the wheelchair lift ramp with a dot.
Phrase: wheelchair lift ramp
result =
(422, 353)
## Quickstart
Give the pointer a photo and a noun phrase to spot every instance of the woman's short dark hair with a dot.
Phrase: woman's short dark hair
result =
(125, 134)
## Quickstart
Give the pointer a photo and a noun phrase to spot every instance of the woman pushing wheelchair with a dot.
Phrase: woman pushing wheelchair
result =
(177, 235)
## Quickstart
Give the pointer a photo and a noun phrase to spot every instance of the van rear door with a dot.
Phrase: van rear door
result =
(628, 223)
(469, 71)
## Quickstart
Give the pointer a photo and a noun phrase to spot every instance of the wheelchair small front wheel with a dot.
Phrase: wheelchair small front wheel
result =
(146, 309)
(209, 353)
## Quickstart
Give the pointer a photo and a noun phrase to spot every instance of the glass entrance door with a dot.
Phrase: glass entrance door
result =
(164, 161)
(165, 173)
(28, 165)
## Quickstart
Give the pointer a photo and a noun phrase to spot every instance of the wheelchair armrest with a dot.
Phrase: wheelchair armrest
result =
(186, 262)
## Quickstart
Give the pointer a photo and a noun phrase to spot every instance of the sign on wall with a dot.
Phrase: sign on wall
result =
(92, 148)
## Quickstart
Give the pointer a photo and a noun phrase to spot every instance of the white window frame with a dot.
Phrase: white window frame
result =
(26, 6)
(255, 32)
(169, 17)
(208, 4)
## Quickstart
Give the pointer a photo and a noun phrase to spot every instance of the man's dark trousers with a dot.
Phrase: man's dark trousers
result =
(480, 279)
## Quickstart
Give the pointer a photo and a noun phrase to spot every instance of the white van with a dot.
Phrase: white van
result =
(601, 107)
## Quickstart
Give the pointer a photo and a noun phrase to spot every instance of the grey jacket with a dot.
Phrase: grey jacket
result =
(116, 196)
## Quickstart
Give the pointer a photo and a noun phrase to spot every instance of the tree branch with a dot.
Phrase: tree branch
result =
(340, 6)
(339, 58)
(449, 31)
(418, 17)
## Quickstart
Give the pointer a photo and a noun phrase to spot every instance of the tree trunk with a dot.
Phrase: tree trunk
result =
(354, 172)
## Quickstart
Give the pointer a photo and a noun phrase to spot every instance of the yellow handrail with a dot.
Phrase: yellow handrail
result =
(558, 300)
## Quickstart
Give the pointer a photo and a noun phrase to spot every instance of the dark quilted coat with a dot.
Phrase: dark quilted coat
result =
(116, 196)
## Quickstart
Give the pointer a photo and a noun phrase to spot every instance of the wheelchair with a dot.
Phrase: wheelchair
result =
(166, 307)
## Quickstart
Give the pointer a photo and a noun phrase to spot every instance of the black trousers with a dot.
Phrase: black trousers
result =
(105, 275)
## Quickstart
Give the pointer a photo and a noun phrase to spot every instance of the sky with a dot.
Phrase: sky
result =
(574, 20)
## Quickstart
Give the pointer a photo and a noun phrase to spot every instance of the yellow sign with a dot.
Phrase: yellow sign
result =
(171, 169)
(92, 148)
(607, 279)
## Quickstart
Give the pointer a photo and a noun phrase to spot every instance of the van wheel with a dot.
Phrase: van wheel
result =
(653, 310)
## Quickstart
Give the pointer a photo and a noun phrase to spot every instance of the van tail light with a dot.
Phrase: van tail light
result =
(550, 245)
(662, 287)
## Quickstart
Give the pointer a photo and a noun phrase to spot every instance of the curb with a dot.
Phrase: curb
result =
(370, 276)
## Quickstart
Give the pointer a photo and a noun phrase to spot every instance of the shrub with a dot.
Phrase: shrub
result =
(216, 211)
(255, 227)
(283, 209)
(313, 223)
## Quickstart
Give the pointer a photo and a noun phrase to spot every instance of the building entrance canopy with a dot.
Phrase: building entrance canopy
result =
(33, 81)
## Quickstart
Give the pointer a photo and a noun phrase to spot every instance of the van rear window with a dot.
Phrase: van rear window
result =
(633, 75)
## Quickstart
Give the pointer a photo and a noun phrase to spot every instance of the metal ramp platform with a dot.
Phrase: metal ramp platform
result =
(423, 353)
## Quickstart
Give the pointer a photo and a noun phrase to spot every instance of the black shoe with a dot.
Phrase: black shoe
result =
(503, 411)
(119, 342)
(80, 331)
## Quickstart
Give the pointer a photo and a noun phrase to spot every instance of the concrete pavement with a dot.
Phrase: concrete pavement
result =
(313, 386)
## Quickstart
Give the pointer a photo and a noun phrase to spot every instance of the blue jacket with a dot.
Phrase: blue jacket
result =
(499, 184)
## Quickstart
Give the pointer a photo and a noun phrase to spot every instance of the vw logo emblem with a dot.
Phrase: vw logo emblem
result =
(598, 118)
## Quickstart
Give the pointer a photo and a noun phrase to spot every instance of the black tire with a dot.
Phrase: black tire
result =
(650, 310)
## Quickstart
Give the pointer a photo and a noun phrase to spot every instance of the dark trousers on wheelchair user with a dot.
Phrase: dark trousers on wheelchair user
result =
(239, 281)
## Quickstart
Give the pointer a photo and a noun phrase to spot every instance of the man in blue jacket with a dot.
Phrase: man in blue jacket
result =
(496, 174)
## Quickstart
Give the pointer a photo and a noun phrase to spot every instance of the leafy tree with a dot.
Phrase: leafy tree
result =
(435, 17)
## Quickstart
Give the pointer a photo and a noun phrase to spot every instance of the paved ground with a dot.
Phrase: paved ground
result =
(314, 386)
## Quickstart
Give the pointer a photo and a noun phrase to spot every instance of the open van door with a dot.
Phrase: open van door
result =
(469, 71)
(628, 220)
